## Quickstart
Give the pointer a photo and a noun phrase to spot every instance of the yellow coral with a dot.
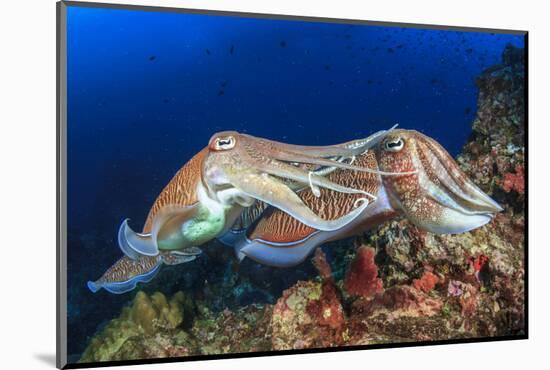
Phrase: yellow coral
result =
(143, 312)
(145, 317)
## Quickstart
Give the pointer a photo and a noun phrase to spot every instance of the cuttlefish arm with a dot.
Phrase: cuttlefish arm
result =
(271, 191)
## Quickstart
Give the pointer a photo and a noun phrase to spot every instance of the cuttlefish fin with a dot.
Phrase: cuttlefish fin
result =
(134, 244)
(268, 189)
(277, 254)
(231, 237)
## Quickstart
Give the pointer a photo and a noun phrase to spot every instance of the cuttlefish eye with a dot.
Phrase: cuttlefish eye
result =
(223, 143)
(394, 145)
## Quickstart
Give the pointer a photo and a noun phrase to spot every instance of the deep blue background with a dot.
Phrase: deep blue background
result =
(146, 90)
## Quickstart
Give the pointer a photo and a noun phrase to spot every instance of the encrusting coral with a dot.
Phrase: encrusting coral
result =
(400, 284)
(134, 334)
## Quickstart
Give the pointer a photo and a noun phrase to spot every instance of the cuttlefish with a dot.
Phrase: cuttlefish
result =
(208, 194)
(431, 192)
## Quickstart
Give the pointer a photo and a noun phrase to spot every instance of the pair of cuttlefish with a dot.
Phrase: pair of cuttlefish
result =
(275, 202)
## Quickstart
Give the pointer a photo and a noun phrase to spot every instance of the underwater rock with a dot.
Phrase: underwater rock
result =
(246, 329)
(494, 157)
(309, 314)
(398, 301)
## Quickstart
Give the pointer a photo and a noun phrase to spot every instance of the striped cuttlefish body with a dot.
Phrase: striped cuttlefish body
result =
(401, 173)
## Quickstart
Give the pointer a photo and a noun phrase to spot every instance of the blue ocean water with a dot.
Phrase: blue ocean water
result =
(146, 90)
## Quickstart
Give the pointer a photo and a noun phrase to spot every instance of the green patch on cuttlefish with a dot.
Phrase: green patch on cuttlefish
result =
(205, 225)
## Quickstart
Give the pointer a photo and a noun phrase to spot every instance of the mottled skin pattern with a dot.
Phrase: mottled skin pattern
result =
(181, 190)
(276, 226)
(408, 187)
(439, 197)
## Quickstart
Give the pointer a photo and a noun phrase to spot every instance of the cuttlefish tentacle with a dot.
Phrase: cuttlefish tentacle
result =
(302, 158)
(347, 149)
(273, 192)
(321, 156)
(283, 170)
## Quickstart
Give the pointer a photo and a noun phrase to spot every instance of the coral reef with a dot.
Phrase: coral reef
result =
(400, 284)
(310, 313)
(153, 327)
(427, 282)
(362, 278)
(143, 330)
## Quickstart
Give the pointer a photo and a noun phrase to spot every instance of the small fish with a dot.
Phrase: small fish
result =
(467, 110)
(207, 51)
(223, 84)
(152, 57)
(469, 51)
(221, 92)
(327, 67)
(282, 44)
(231, 49)
(390, 50)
